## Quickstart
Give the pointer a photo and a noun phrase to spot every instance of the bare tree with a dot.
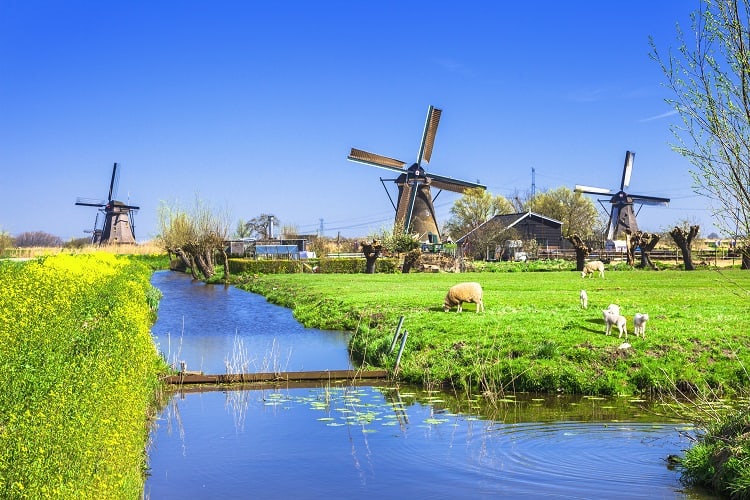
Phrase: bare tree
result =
(683, 238)
(37, 239)
(195, 238)
(371, 251)
(262, 226)
(582, 250)
(647, 242)
(710, 78)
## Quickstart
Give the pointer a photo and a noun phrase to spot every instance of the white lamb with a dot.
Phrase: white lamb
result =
(614, 309)
(612, 318)
(639, 324)
(584, 299)
(464, 292)
(592, 267)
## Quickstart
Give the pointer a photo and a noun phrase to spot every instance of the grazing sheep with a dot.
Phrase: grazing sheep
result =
(610, 318)
(592, 267)
(464, 292)
(639, 324)
(584, 299)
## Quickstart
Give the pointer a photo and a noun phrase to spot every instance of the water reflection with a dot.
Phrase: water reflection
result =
(368, 442)
(210, 326)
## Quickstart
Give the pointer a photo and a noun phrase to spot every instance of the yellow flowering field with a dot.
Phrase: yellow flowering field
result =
(78, 371)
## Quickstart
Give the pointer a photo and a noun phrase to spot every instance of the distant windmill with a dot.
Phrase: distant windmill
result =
(414, 208)
(118, 221)
(622, 216)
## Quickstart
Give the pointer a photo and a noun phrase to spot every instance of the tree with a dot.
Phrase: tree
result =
(241, 230)
(261, 227)
(683, 238)
(37, 239)
(195, 237)
(396, 241)
(474, 208)
(647, 242)
(577, 212)
(371, 250)
(6, 241)
(582, 250)
(710, 79)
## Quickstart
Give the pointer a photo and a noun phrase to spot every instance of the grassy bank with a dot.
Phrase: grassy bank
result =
(78, 371)
(534, 335)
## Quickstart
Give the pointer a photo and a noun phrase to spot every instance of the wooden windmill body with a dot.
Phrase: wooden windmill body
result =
(117, 223)
(415, 211)
(622, 215)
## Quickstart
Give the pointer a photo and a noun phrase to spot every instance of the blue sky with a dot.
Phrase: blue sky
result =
(253, 106)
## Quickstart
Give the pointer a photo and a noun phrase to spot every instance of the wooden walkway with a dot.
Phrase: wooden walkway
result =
(193, 378)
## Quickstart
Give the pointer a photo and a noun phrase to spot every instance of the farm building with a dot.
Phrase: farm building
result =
(503, 236)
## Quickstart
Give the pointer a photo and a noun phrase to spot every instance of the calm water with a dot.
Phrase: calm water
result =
(378, 442)
(208, 325)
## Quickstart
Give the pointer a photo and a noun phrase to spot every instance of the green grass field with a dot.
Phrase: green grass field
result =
(534, 335)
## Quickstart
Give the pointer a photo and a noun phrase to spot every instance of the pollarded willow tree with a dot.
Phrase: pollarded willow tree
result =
(710, 78)
(195, 237)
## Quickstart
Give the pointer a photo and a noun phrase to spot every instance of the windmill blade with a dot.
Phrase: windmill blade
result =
(90, 202)
(403, 210)
(614, 218)
(649, 200)
(113, 183)
(376, 160)
(627, 169)
(451, 184)
(428, 137)
(591, 190)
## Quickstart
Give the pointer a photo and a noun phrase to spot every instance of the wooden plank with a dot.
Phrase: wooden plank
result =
(325, 375)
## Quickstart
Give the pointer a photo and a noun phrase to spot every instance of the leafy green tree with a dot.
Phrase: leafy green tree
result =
(241, 230)
(709, 76)
(474, 208)
(577, 212)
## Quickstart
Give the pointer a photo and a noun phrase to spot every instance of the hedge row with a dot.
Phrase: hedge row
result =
(330, 266)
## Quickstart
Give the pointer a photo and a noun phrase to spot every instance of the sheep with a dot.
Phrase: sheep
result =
(614, 309)
(592, 267)
(611, 318)
(584, 299)
(639, 324)
(464, 292)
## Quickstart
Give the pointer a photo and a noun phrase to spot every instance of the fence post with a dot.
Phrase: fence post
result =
(395, 336)
(401, 350)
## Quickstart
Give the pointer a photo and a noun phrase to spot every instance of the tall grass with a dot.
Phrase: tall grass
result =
(534, 336)
(78, 371)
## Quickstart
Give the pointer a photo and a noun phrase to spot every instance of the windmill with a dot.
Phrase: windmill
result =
(622, 216)
(415, 211)
(117, 221)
